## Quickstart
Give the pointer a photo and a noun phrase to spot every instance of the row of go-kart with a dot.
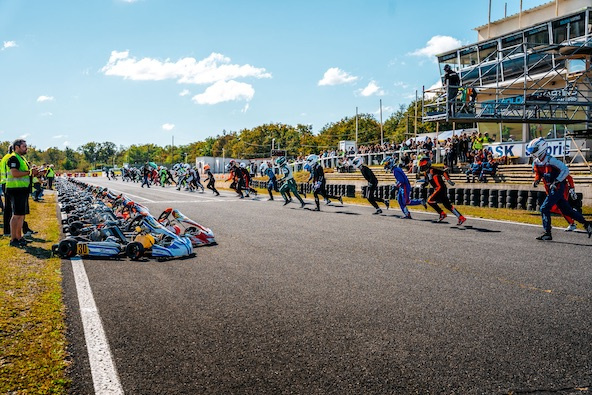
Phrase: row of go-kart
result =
(101, 224)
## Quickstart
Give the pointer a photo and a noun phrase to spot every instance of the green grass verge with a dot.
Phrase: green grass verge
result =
(32, 315)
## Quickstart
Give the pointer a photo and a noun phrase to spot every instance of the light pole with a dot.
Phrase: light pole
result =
(185, 153)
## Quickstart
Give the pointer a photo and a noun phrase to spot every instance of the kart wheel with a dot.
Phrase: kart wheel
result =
(134, 250)
(66, 248)
(75, 228)
(72, 218)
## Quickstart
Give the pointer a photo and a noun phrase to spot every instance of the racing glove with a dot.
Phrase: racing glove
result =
(572, 194)
(536, 183)
(553, 187)
(450, 182)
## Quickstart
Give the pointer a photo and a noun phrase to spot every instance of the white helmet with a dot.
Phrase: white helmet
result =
(187, 165)
(263, 167)
(537, 148)
(357, 162)
(242, 165)
(312, 159)
(176, 166)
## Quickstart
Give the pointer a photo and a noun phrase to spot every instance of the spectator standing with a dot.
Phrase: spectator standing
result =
(50, 175)
(452, 82)
(7, 214)
(478, 142)
(18, 187)
(463, 147)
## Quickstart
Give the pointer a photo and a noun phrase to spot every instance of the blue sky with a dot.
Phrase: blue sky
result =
(143, 71)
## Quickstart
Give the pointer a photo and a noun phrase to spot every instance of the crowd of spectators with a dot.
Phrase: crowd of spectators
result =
(461, 153)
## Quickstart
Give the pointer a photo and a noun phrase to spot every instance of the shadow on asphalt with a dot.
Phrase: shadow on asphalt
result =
(469, 227)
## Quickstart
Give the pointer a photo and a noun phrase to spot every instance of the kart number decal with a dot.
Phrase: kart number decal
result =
(82, 249)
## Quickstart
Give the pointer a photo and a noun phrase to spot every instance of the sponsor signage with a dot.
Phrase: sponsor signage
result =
(518, 150)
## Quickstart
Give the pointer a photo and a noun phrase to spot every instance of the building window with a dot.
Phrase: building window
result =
(569, 28)
(512, 45)
(537, 37)
(468, 57)
(488, 51)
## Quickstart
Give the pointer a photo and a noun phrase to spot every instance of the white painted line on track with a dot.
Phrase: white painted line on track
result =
(137, 196)
(103, 371)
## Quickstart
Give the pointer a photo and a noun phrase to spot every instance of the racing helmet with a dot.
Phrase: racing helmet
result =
(424, 163)
(537, 148)
(387, 162)
(242, 165)
(280, 161)
(207, 167)
(312, 159)
(357, 162)
(176, 166)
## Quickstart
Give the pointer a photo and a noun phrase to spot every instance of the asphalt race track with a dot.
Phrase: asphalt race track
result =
(340, 301)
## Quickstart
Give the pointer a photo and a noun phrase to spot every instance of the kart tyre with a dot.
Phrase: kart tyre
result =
(75, 228)
(134, 250)
(72, 218)
(66, 248)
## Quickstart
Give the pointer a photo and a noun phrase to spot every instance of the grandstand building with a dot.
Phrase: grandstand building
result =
(528, 75)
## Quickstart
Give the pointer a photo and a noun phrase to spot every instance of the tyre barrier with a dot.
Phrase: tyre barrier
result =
(522, 201)
(460, 193)
(451, 194)
(512, 198)
(501, 198)
(493, 193)
(484, 201)
(530, 200)
(475, 197)
(467, 197)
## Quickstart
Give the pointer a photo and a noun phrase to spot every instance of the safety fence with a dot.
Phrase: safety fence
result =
(482, 197)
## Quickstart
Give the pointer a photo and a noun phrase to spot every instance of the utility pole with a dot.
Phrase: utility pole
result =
(356, 129)
(381, 131)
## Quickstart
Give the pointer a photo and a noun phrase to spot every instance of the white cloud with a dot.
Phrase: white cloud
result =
(245, 108)
(24, 136)
(60, 136)
(336, 76)
(168, 126)
(184, 92)
(216, 67)
(66, 143)
(46, 114)
(371, 89)
(8, 44)
(41, 99)
(435, 86)
(223, 91)
(437, 45)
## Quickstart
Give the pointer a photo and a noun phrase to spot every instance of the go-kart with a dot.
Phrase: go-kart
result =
(177, 222)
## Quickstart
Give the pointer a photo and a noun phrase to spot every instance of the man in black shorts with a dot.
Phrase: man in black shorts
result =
(18, 187)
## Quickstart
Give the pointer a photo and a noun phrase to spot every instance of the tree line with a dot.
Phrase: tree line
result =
(252, 143)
